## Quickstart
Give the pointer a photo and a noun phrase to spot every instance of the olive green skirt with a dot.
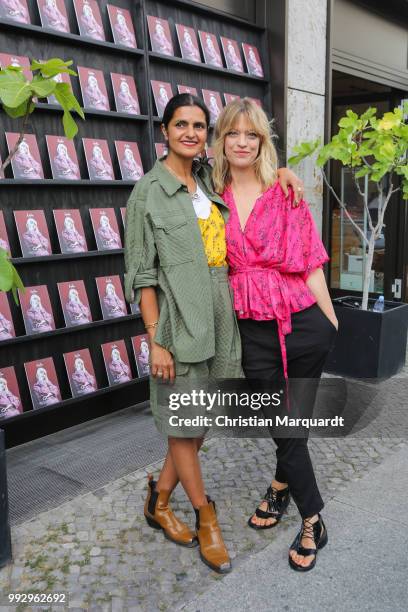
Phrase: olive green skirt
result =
(225, 364)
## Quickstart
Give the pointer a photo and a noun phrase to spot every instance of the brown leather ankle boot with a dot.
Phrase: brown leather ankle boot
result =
(212, 548)
(159, 516)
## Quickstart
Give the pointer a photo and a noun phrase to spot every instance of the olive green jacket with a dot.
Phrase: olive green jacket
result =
(164, 249)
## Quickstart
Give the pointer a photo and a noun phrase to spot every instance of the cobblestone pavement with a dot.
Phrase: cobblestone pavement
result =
(99, 550)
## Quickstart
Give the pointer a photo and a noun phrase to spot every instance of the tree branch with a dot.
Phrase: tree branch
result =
(344, 207)
(20, 138)
(357, 183)
(380, 222)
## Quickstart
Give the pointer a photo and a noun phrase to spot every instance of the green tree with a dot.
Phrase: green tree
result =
(17, 97)
(370, 147)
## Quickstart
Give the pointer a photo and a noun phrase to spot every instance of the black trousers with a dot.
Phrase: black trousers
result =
(307, 347)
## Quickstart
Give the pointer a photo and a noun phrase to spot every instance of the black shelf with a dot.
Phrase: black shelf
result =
(32, 40)
(73, 39)
(73, 400)
(208, 11)
(206, 67)
(94, 112)
(66, 330)
(61, 183)
(61, 256)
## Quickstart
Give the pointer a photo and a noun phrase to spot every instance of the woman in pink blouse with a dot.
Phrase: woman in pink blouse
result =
(286, 318)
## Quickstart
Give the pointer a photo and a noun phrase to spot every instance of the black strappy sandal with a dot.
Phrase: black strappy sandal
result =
(277, 501)
(316, 531)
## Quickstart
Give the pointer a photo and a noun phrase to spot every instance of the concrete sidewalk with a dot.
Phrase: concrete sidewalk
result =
(364, 567)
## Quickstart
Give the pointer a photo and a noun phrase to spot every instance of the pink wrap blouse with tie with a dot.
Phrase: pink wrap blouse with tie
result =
(270, 260)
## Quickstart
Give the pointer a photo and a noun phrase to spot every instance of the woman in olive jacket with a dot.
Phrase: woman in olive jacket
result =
(175, 256)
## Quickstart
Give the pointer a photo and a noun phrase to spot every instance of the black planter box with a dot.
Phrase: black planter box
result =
(369, 344)
(5, 538)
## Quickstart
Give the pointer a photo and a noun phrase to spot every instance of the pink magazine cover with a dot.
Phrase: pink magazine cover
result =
(89, 19)
(70, 231)
(10, 400)
(252, 60)
(210, 48)
(214, 103)
(98, 160)
(43, 382)
(33, 233)
(26, 163)
(116, 361)
(162, 94)
(1, 170)
(232, 54)
(187, 89)
(63, 158)
(256, 101)
(125, 94)
(160, 36)
(6, 320)
(80, 372)
(122, 26)
(74, 303)
(230, 97)
(161, 149)
(129, 160)
(93, 88)
(140, 345)
(36, 309)
(4, 241)
(188, 43)
(111, 298)
(8, 59)
(105, 228)
(15, 10)
(53, 14)
(59, 78)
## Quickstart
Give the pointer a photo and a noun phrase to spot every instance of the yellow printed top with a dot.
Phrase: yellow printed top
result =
(213, 235)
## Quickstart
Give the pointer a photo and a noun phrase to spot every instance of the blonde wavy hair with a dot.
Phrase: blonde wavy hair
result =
(266, 164)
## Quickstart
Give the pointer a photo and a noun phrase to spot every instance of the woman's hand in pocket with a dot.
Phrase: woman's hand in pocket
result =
(335, 322)
(162, 363)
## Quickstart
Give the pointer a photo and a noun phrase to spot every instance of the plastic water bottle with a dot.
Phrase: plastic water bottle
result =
(379, 304)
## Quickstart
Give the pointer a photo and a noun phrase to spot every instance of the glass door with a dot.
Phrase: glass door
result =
(352, 251)
(389, 276)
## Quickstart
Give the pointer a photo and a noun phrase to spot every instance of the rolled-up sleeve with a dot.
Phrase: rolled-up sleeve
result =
(140, 248)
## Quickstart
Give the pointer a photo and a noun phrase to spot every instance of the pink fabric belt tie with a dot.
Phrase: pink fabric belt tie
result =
(280, 305)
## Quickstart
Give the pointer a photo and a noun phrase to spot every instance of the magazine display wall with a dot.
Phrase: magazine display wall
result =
(26, 202)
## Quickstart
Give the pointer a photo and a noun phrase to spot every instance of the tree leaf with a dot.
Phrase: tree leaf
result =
(52, 67)
(363, 172)
(66, 98)
(14, 113)
(44, 87)
(6, 274)
(70, 127)
(303, 150)
(9, 75)
(390, 120)
(14, 93)
(370, 112)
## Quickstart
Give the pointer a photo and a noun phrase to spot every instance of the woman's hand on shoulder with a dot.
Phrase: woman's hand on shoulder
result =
(161, 363)
(287, 178)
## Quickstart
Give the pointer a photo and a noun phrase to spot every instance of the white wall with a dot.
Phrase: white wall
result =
(306, 76)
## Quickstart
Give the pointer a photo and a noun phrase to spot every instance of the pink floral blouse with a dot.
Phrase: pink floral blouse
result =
(271, 259)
